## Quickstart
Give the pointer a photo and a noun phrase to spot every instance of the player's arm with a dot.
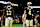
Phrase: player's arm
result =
(23, 17)
(13, 13)
(35, 18)
(24, 14)
(4, 13)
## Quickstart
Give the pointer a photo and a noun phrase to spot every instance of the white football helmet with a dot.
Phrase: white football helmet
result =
(29, 3)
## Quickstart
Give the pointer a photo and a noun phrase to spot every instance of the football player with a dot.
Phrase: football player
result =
(29, 18)
(9, 15)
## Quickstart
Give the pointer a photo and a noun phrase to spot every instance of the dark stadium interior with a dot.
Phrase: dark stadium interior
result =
(22, 4)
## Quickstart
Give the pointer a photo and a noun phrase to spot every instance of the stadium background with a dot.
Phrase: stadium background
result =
(20, 9)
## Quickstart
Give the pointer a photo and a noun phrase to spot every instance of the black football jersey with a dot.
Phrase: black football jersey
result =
(30, 14)
(8, 13)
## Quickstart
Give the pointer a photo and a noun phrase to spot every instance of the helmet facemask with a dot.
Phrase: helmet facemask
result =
(8, 7)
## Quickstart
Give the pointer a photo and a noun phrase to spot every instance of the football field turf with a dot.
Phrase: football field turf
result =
(16, 25)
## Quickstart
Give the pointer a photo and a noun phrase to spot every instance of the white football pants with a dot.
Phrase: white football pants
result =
(8, 22)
